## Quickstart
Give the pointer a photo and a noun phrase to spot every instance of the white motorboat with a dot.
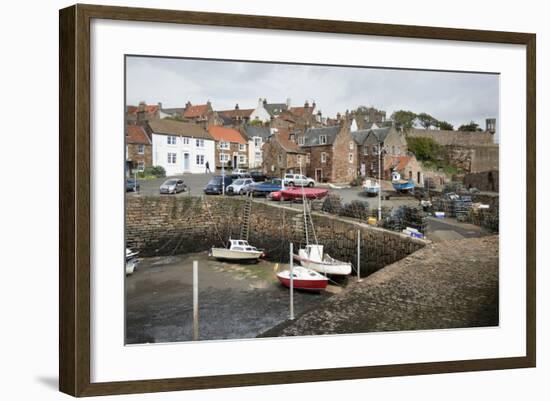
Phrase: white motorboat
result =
(131, 261)
(371, 187)
(314, 258)
(237, 249)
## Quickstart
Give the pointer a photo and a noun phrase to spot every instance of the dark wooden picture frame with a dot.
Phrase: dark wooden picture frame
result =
(74, 202)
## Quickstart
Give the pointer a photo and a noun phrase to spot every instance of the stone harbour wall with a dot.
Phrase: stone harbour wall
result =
(160, 226)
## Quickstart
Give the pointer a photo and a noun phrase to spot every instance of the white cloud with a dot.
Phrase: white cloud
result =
(452, 96)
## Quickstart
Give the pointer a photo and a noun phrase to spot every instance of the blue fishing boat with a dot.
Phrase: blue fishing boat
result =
(401, 185)
(371, 188)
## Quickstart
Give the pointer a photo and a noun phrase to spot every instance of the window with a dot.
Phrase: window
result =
(224, 145)
(200, 160)
(323, 157)
(141, 166)
(375, 150)
(242, 147)
(185, 140)
(199, 143)
(242, 159)
(351, 145)
(292, 137)
(307, 158)
(224, 157)
(393, 150)
(350, 157)
(322, 139)
(258, 155)
(141, 149)
(280, 159)
(257, 142)
(171, 158)
(301, 141)
(366, 150)
(171, 140)
(299, 160)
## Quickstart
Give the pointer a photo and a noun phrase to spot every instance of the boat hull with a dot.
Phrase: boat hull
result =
(402, 186)
(308, 285)
(131, 265)
(371, 191)
(228, 254)
(338, 269)
(299, 192)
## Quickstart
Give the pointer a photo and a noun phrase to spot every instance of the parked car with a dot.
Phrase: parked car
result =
(239, 172)
(237, 176)
(173, 186)
(298, 180)
(240, 186)
(258, 176)
(265, 188)
(217, 184)
(132, 185)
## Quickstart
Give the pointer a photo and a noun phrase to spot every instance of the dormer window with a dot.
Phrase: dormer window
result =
(322, 139)
(301, 141)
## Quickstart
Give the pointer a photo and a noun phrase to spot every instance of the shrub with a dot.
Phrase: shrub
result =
(356, 209)
(332, 204)
(157, 171)
(425, 149)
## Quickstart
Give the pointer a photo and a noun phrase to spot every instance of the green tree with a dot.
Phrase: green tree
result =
(255, 122)
(444, 125)
(426, 120)
(470, 127)
(404, 119)
(425, 149)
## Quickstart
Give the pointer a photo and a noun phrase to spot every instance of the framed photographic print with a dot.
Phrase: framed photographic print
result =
(249, 200)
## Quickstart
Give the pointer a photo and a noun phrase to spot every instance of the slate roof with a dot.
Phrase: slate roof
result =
(381, 133)
(136, 134)
(275, 109)
(251, 131)
(226, 134)
(178, 128)
(312, 135)
(173, 110)
(360, 135)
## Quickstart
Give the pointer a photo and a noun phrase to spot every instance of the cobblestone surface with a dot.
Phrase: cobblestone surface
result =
(452, 284)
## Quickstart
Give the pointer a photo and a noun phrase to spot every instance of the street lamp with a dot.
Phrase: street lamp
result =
(380, 181)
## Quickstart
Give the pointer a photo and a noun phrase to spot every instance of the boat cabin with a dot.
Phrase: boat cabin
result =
(240, 245)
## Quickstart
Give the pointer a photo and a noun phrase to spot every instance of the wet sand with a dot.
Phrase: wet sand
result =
(235, 301)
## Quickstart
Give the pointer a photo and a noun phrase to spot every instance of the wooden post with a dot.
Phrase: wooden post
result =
(359, 255)
(291, 282)
(195, 300)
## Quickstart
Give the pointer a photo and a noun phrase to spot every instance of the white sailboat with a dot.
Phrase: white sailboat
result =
(237, 249)
(313, 256)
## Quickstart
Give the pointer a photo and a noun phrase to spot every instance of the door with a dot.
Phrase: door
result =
(186, 166)
(235, 161)
(318, 175)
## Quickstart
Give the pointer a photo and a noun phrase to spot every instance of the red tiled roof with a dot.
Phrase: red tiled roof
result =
(396, 162)
(301, 111)
(236, 113)
(136, 134)
(196, 111)
(149, 109)
(225, 134)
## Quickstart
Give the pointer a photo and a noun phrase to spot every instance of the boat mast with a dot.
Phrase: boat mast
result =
(304, 204)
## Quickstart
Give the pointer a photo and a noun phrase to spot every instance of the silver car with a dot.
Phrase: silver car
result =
(173, 186)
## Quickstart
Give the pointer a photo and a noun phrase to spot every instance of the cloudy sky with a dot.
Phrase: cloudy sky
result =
(454, 97)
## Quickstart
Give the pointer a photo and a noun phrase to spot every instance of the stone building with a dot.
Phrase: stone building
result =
(406, 165)
(281, 155)
(256, 136)
(231, 147)
(142, 112)
(389, 141)
(332, 153)
(139, 152)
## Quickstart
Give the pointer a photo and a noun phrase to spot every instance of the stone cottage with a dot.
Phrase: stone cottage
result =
(139, 153)
(281, 155)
